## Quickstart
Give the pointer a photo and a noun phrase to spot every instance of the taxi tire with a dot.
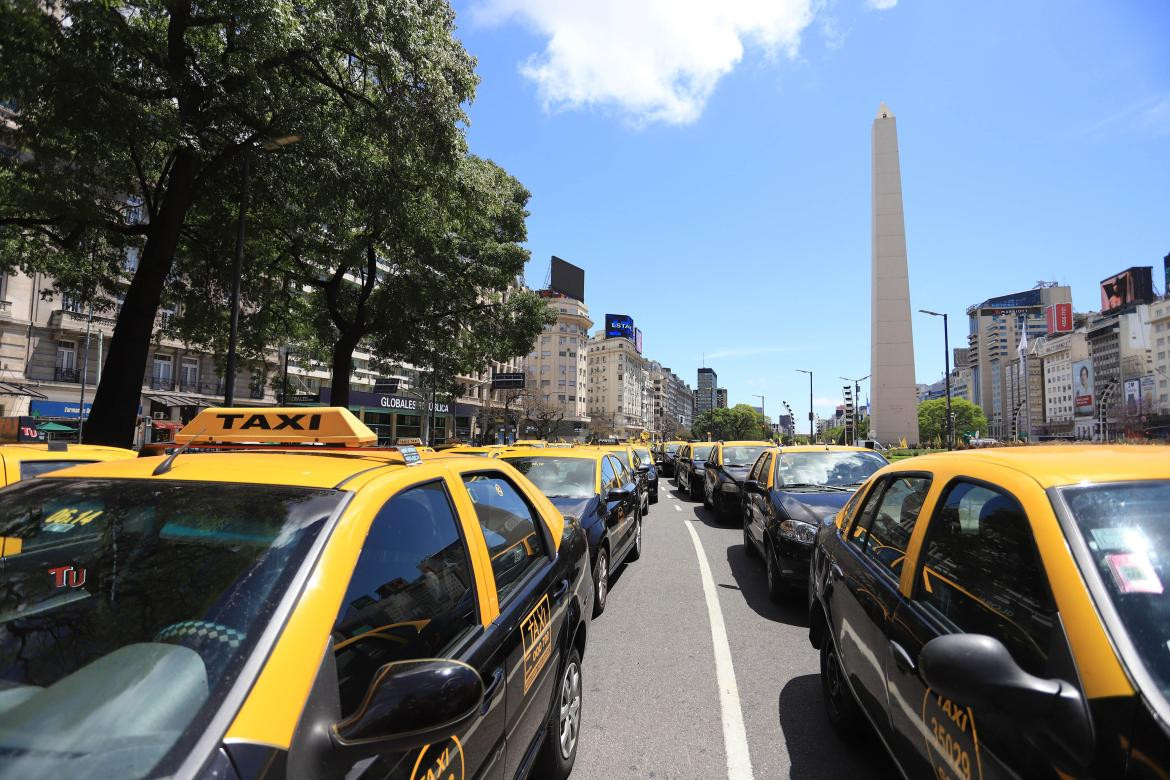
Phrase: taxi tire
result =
(778, 591)
(551, 764)
(600, 595)
(707, 502)
(840, 706)
(636, 549)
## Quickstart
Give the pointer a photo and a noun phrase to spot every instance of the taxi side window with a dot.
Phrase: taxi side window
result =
(510, 528)
(758, 467)
(34, 468)
(411, 593)
(713, 457)
(981, 573)
(887, 522)
(608, 474)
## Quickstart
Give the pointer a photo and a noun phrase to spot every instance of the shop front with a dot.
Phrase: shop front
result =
(394, 416)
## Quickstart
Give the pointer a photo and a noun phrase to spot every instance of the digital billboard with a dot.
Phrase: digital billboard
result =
(1083, 388)
(1147, 383)
(1133, 285)
(638, 340)
(567, 279)
(1059, 317)
(619, 326)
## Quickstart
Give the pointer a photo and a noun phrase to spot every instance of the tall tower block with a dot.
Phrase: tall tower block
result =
(893, 399)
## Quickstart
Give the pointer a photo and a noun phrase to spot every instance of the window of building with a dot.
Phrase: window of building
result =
(982, 575)
(411, 593)
(409, 426)
(163, 369)
(190, 374)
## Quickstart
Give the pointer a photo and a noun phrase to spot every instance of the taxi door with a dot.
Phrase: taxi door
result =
(532, 592)
(865, 592)
(978, 572)
(758, 505)
(619, 513)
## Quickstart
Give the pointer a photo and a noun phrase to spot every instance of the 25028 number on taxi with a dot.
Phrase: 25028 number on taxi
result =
(1002, 613)
(301, 605)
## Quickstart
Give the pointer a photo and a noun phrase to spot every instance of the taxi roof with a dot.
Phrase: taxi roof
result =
(1064, 464)
(744, 443)
(41, 451)
(821, 448)
(552, 452)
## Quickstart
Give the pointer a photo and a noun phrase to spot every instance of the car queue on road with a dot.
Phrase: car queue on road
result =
(329, 608)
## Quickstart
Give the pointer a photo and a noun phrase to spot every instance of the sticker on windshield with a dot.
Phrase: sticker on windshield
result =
(440, 761)
(1118, 539)
(1133, 573)
(535, 631)
(951, 740)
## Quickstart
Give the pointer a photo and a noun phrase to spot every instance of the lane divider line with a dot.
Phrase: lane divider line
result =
(739, 762)
(677, 508)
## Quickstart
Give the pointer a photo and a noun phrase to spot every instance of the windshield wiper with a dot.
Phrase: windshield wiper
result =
(816, 485)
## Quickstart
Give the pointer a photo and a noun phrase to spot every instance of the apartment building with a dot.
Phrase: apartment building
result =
(1160, 336)
(618, 388)
(1057, 353)
(673, 402)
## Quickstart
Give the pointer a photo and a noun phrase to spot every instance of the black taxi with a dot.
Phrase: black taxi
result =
(1002, 613)
(274, 599)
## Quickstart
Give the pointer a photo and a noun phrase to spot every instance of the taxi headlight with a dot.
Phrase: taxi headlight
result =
(729, 486)
(801, 533)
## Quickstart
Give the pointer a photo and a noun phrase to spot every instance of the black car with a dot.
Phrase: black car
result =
(689, 467)
(647, 466)
(668, 455)
(727, 467)
(787, 495)
(626, 456)
(592, 487)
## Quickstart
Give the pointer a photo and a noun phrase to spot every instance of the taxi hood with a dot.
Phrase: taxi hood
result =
(575, 507)
(813, 507)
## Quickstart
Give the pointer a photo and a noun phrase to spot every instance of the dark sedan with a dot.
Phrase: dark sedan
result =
(650, 469)
(689, 468)
(788, 493)
(592, 486)
(668, 455)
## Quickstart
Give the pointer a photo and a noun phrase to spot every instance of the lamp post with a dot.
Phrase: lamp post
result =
(856, 403)
(947, 363)
(811, 430)
(229, 385)
(284, 350)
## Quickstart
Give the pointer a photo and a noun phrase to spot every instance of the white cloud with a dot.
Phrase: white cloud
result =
(652, 60)
(881, 5)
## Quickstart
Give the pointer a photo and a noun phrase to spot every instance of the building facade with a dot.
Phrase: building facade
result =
(557, 368)
(721, 398)
(673, 402)
(1160, 333)
(705, 388)
(1057, 354)
(617, 395)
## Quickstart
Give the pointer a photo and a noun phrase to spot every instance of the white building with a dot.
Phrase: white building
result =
(1160, 332)
(557, 368)
(618, 397)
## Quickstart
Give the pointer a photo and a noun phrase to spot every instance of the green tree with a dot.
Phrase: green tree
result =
(131, 111)
(932, 416)
(737, 423)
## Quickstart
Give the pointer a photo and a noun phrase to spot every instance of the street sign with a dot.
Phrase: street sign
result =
(508, 381)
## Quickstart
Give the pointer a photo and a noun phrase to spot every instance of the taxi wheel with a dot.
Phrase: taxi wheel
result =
(564, 727)
(654, 497)
(777, 590)
(601, 581)
(707, 500)
(636, 551)
(840, 706)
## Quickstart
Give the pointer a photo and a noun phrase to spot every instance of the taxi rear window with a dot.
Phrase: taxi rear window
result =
(34, 468)
(128, 610)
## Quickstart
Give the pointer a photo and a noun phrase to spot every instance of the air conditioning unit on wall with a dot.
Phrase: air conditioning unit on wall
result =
(159, 415)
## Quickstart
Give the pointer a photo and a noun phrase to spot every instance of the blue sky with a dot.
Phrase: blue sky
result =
(708, 163)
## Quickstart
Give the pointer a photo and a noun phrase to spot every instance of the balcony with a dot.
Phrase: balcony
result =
(256, 393)
(201, 388)
(76, 321)
(66, 375)
(166, 383)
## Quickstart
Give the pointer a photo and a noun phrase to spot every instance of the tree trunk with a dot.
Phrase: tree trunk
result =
(115, 404)
(343, 350)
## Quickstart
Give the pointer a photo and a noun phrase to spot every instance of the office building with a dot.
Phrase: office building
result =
(721, 398)
(705, 390)
(557, 368)
(673, 403)
(617, 394)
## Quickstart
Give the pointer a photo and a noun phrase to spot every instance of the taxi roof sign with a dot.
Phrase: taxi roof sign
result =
(276, 425)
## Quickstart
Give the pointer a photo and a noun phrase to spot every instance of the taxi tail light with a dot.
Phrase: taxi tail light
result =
(978, 671)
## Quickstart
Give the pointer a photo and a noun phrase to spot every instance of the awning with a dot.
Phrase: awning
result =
(169, 399)
(11, 388)
(52, 427)
(166, 425)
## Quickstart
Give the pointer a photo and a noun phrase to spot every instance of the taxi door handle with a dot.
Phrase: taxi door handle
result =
(490, 690)
(901, 658)
(561, 591)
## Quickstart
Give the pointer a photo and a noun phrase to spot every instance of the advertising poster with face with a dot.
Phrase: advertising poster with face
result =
(1083, 388)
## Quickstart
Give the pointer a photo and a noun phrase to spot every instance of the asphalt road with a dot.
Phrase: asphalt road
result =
(655, 704)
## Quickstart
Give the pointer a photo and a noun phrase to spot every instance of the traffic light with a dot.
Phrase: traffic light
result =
(850, 417)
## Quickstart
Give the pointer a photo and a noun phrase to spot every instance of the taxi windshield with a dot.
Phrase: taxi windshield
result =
(742, 456)
(834, 469)
(559, 477)
(701, 453)
(1127, 530)
(672, 448)
(643, 454)
(129, 608)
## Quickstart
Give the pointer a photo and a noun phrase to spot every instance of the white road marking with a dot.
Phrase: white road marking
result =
(677, 508)
(739, 761)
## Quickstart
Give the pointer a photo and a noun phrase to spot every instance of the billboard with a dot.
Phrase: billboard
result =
(619, 326)
(508, 381)
(1133, 285)
(1083, 400)
(567, 279)
(1059, 317)
(1147, 386)
(1021, 302)
(638, 340)
(1133, 396)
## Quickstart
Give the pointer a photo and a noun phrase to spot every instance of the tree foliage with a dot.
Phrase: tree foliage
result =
(932, 415)
(737, 423)
(134, 115)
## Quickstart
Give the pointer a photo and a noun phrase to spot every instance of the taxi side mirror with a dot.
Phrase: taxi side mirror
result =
(411, 704)
(978, 671)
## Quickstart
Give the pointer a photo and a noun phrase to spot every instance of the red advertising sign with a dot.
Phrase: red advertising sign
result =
(1060, 319)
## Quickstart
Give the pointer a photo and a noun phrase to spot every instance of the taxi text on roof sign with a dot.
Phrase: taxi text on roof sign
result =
(268, 425)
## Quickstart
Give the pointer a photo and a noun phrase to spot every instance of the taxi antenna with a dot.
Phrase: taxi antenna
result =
(165, 466)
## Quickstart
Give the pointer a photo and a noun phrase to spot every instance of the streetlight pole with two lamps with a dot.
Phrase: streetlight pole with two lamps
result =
(811, 430)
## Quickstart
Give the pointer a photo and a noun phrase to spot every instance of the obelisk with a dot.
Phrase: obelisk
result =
(893, 397)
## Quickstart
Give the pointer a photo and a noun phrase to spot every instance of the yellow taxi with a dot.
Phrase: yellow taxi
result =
(1002, 612)
(29, 459)
(490, 451)
(727, 466)
(529, 443)
(276, 598)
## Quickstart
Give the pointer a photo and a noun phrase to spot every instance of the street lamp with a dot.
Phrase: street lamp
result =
(268, 145)
(856, 402)
(284, 351)
(791, 419)
(811, 432)
(947, 363)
